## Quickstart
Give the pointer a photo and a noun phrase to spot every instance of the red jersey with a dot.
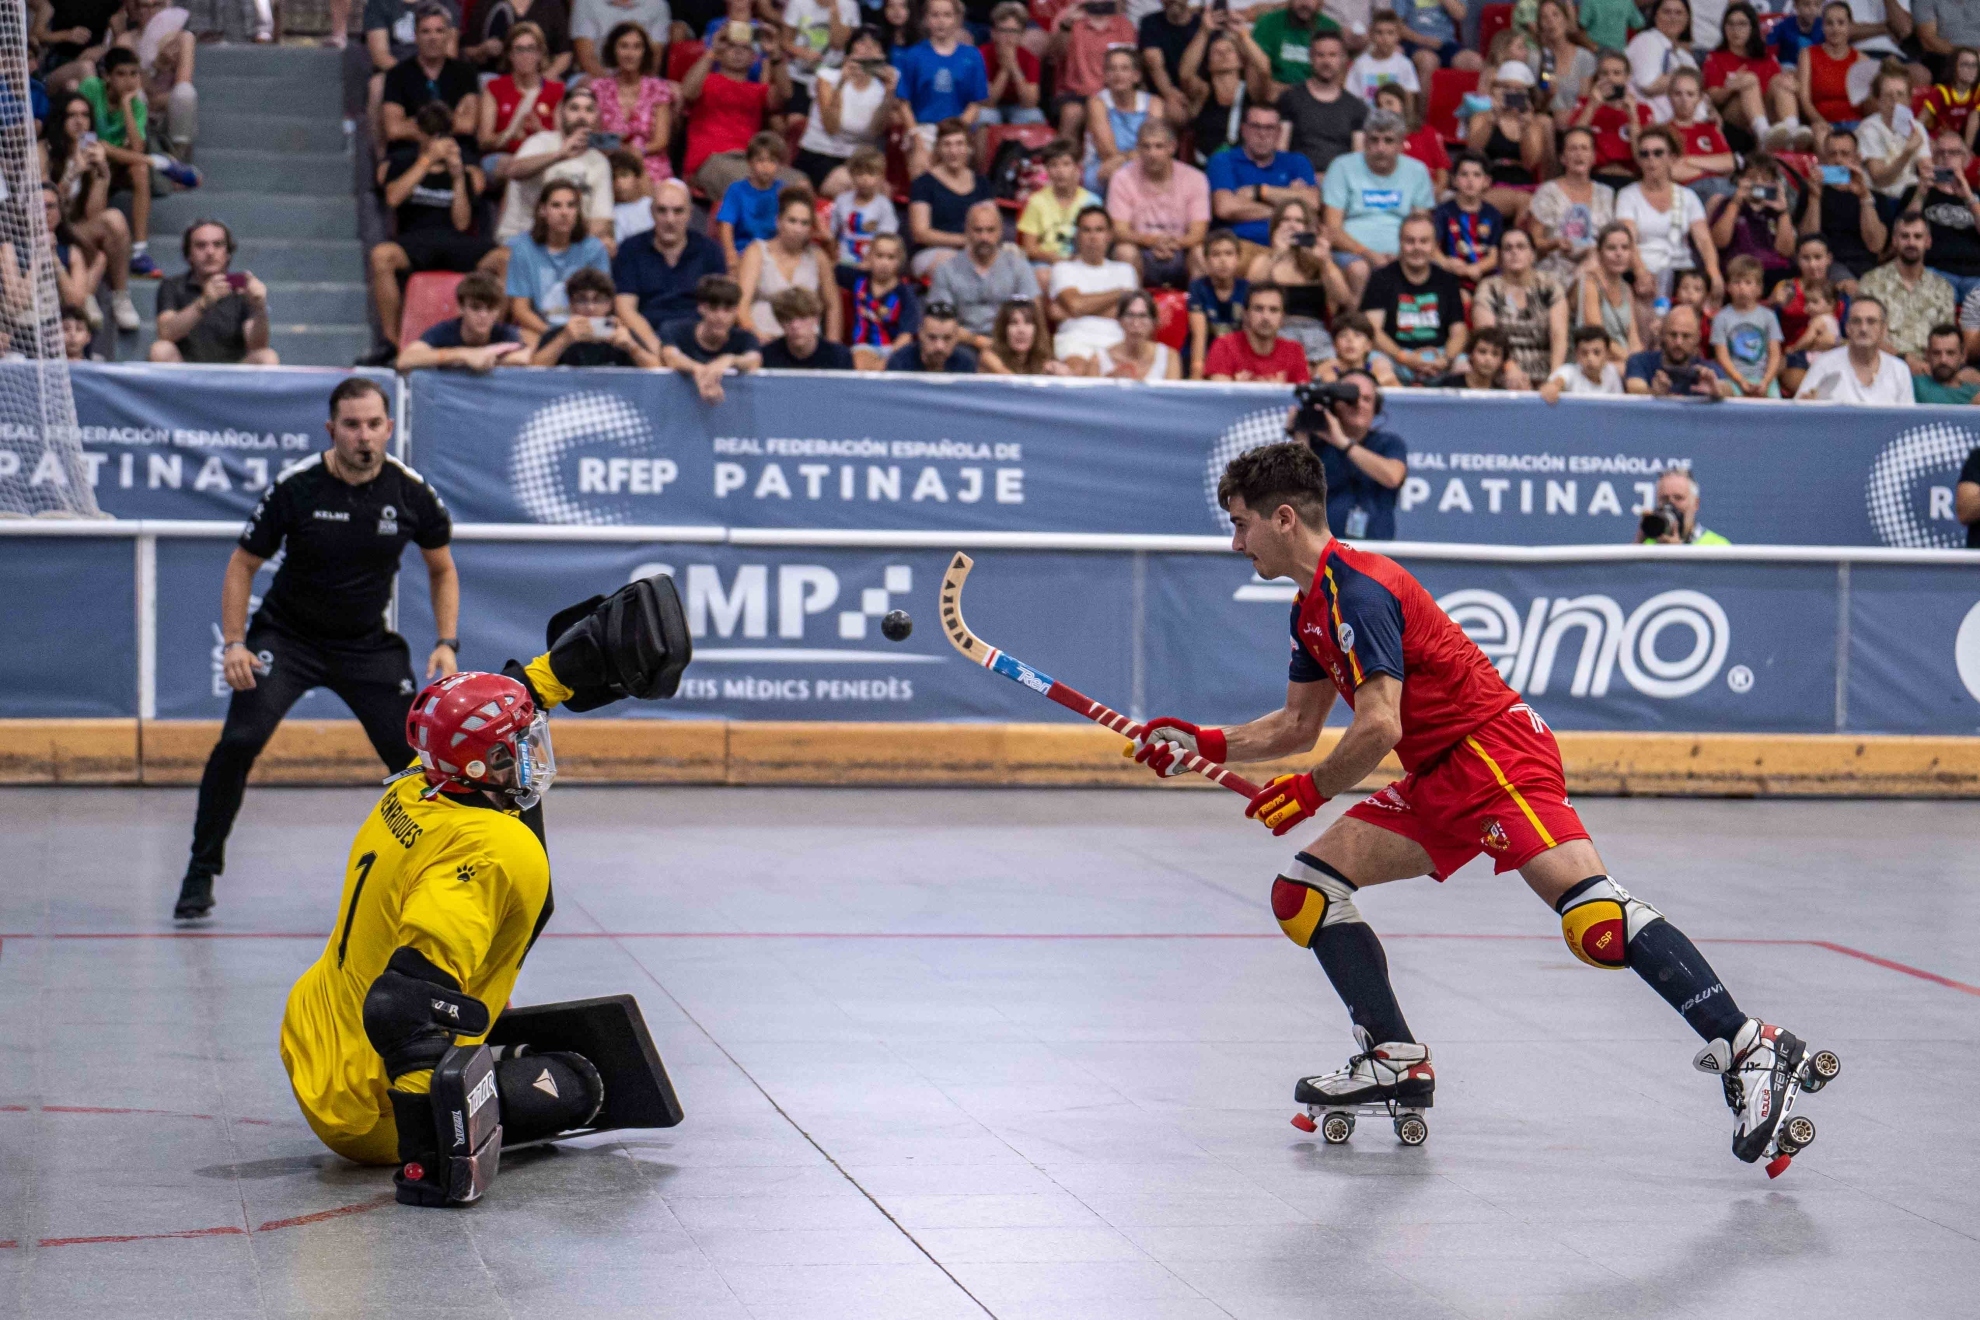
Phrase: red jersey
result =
(1947, 109)
(1232, 356)
(724, 119)
(1611, 146)
(1365, 614)
(1702, 139)
(1427, 145)
(1722, 64)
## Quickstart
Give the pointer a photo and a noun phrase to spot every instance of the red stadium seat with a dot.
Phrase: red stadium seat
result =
(681, 57)
(1448, 87)
(995, 136)
(429, 301)
(1172, 318)
(1492, 20)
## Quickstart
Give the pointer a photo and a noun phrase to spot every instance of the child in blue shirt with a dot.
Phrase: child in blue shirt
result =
(749, 208)
(1468, 226)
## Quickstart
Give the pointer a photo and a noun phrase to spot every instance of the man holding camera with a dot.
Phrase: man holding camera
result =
(210, 313)
(1365, 466)
(1673, 520)
(340, 519)
(1676, 368)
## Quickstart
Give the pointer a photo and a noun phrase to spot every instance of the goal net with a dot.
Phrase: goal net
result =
(42, 469)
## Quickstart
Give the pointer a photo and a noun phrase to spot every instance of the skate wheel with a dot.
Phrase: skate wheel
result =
(1337, 1129)
(1303, 1122)
(1412, 1130)
(1778, 1165)
(1821, 1070)
(1800, 1132)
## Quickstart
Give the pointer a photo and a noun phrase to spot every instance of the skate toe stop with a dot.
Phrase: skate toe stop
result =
(1304, 1123)
(1778, 1165)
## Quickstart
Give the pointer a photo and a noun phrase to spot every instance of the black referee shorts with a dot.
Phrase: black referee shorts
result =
(374, 677)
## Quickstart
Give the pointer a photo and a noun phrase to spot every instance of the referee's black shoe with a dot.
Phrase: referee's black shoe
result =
(195, 897)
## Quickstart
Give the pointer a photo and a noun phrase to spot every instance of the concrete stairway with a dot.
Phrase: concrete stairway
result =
(277, 169)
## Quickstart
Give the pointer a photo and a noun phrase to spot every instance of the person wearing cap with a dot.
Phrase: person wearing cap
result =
(1513, 137)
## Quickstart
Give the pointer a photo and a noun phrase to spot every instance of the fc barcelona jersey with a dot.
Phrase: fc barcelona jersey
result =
(1364, 614)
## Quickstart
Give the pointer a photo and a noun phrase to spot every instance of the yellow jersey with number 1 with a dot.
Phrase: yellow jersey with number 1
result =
(459, 879)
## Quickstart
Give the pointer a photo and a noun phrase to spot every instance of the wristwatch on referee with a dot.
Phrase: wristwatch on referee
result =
(451, 643)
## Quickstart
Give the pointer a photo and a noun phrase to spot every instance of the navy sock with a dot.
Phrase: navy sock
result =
(1672, 966)
(1353, 960)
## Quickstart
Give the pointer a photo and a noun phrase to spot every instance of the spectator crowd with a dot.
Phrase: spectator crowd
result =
(1720, 200)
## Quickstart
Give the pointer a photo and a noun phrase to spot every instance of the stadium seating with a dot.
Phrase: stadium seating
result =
(429, 301)
(1447, 89)
(1492, 20)
(1172, 318)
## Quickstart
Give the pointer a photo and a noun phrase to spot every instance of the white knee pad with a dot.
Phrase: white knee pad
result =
(1599, 919)
(1310, 894)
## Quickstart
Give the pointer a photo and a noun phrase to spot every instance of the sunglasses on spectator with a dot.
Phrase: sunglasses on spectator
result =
(941, 310)
(1648, 153)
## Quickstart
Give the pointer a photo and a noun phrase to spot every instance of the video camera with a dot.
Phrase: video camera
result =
(1314, 398)
(1661, 522)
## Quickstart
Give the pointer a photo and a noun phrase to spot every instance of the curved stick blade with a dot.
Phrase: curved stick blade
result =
(953, 626)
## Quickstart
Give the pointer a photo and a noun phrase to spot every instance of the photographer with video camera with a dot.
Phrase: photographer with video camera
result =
(1673, 519)
(1365, 464)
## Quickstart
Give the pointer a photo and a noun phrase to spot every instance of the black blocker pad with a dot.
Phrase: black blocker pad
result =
(612, 1034)
(633, 643)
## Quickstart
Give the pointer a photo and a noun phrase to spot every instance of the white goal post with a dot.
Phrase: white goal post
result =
(43, 474)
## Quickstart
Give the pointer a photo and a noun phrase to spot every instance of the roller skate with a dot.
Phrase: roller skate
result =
(1764, 1069)
(1392, 1080)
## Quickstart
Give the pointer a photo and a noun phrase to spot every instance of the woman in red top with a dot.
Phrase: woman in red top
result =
(1613, 113)
(634, 102)
(1747, 83)
(1825, 98)
(522, 101)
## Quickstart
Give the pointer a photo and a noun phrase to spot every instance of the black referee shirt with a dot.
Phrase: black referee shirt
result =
(342, 546)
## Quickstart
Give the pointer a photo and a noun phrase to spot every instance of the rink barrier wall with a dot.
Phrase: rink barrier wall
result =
(960, 454)
(715, 752)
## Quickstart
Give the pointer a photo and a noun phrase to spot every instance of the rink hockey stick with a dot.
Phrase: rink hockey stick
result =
(1002, 662)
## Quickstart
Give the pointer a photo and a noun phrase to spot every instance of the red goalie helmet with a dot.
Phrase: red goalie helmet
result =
(474, 729)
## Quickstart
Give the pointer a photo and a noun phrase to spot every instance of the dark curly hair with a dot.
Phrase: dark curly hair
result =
(1266, 477)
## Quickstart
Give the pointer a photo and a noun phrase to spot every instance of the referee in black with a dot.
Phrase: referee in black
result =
(342, 519)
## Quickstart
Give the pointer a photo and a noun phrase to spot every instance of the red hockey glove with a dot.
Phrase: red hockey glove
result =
(1285, 802)
(1164, 741)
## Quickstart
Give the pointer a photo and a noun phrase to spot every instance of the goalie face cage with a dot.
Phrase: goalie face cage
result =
(42, 469)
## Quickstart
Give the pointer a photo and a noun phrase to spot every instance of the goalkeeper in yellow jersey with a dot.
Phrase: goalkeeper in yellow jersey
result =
(387, 1037)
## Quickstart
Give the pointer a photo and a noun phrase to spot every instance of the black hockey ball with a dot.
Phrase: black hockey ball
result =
(896, 626)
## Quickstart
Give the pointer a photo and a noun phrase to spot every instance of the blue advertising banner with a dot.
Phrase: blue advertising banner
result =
(69, 611)
(1678, 644)
(919, 454)
(180, 441)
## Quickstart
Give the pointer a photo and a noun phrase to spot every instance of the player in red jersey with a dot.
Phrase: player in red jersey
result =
(1482, 775)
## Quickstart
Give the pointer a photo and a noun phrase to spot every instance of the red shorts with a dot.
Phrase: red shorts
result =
(1499, 790)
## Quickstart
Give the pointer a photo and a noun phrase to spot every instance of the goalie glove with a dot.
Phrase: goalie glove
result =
(1164, 742)
(1285, 802)
(633, 643)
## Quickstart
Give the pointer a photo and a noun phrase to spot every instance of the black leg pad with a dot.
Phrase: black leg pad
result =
(612, 1035)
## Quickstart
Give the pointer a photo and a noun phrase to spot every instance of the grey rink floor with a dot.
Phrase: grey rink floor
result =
(1018, 1054)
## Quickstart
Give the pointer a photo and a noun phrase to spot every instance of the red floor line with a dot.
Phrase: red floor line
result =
(1886, 963)
(361, 1207)
(225, 1230)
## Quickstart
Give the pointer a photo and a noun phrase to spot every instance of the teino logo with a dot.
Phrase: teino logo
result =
(1526, 648)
